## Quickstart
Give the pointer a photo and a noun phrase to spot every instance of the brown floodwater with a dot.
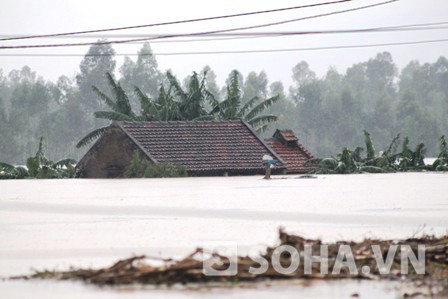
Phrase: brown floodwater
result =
(56, 224)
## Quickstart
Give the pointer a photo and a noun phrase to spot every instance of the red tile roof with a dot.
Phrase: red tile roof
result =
(288, 135)
(202, 146)
(294, 154)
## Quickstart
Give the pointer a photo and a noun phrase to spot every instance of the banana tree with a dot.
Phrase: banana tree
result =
(348, 161)
(251, 111)
(441, 163)
(164, 108)
(9, 171)
(193, 102)
(120, 106)
(39, 166)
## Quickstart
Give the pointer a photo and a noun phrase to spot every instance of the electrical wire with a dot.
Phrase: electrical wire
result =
(199, 33)
(411, 27)
(236, 51)
(399, 28)
(175, 22)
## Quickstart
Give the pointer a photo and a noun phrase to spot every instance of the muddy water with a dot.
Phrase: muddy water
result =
(58, 223)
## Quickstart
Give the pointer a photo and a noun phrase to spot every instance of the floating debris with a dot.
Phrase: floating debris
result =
(307, 176)
(138, 269)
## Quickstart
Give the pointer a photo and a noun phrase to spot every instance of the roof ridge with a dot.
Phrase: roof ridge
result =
(180, 121)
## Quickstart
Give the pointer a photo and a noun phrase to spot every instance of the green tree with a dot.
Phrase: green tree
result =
(372, 80)
(194, 101)
(347, 113)
(143, 73)
(425, 82)
(301, 75)
(255, 86)
(232, 107)
(31, 103)
(284, 109)
(120, 106)
(5, 133)
(415, 121)
(98, 61)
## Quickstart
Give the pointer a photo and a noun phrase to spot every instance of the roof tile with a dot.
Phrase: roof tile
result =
(294, 154)
(201, 145)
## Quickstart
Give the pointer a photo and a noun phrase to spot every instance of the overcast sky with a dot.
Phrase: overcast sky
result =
(27, 17)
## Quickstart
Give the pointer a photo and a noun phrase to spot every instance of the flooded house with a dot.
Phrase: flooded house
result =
(204, 148)
(286, 144)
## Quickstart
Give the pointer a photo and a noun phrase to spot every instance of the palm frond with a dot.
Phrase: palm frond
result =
(234, 86)
(91, 136)
(154, 112)
(122, 103)
(166, 105)
(176, 86)
(144, 100)
(32, 163)
(443, 148)
(369, 146)
(210, 98)
(406, 153)
(419, 155)
(64, 162)
(40, 155)
(228, 108)
(194, 85)
(262, 128)
(20, 172)
(246, 108)
(148, 108)
(41, 149)
(262, 120)
(6, 167)
(262, 106)
(109, 102)
(393, 145)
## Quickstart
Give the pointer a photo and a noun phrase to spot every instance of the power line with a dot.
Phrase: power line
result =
(200, 33)
(238, 51)
(221, 36)
(271, 34)
(398, 28)
(175, 22)
(253, 35)
(427, 26)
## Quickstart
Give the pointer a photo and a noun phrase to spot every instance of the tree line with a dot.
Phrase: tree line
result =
(372, 96)
(326, 112)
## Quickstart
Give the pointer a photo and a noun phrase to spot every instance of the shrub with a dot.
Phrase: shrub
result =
(143, 168)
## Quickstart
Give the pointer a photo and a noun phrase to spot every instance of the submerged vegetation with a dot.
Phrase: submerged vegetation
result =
(389, 160)
(135, 270)
(39, 166)
(142, 168)
(441, 163)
